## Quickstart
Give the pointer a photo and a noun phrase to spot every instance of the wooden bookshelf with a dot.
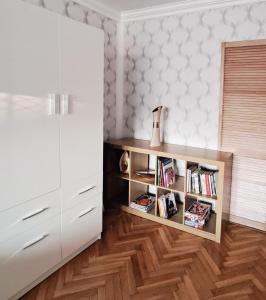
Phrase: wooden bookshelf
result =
(120, 189)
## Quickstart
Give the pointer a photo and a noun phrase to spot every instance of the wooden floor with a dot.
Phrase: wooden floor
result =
(140, 259)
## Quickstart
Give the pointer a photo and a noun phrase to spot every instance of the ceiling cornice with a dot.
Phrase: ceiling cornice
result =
(160, 10)
(180, 7)
(101, 8)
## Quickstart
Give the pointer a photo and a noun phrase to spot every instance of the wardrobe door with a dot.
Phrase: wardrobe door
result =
(29, 152)
(82, 107)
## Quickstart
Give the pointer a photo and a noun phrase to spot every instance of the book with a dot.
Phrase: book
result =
(144, 202)
(167, 205)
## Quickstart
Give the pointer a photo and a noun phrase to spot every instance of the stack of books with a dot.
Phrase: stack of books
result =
(202, 181)
(144, 203)
(165, 172)
(198, 214)
(167, 205)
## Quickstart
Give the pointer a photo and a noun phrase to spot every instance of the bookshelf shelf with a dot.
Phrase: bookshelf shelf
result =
(145, 179)
(151, 212)
(121, 189)
(203, 197)
(120, 175)
(178, 217)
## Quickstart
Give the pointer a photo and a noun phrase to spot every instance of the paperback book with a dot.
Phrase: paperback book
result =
(167, 205)
(144, 203)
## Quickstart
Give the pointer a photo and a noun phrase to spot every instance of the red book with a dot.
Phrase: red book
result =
(207, 185)
(161, 172)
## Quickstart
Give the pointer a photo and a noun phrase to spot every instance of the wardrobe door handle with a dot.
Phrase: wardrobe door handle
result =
(87, 189)
(34, 242)
(35, 213)
(54, 104)
(86, 212)
(65, 104)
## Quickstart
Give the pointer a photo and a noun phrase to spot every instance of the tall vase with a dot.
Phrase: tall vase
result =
(155, 140)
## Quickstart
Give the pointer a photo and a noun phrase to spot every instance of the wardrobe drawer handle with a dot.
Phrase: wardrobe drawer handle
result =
(35, 213)
(87, 212)
(87, 190)
(37, 240)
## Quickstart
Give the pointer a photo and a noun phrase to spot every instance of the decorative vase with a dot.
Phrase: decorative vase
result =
(155, 140)
(124, 163)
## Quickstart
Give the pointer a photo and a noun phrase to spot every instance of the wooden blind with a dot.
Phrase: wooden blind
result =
(243, 125)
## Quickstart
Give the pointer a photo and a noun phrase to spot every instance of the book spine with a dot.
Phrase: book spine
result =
(158, 172)
(211, 184)
(204, 191)
(215, 178)
(160, 206)
(188, 181)
(161, 174)
(208, 185)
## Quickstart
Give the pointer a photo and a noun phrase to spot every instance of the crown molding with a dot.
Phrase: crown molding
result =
(101, 8)
(179, 7)
(182, 6)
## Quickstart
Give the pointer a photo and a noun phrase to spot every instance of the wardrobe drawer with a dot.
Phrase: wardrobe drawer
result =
(27, 256)
(25, 216)
(81, 224)
(81, 190)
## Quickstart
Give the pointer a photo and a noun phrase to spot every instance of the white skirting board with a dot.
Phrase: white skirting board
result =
(247, 222)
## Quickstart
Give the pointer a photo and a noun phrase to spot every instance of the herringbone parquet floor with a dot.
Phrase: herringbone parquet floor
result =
(139, 259)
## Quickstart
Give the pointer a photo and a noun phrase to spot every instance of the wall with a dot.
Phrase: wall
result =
(82, 14)
(175, 62)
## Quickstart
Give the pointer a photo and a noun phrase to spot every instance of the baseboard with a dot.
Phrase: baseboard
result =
(245, 222)
(54, 269)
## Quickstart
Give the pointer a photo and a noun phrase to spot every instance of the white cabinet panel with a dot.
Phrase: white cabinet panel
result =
(29, 152)
(82, 79)
(81, 224)
(81, 190)
(29, 49)
(27, 256)
(25, 216)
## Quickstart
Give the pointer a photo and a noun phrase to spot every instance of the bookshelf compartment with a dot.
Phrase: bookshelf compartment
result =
(179, 200)
(170, 168)
(139, 164)
(111, 161)
(177, 187)
(116, 191)
(137, 190)
(202, 180)
(210, 224)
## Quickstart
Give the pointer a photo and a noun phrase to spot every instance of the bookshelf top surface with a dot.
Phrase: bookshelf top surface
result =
(170, 150)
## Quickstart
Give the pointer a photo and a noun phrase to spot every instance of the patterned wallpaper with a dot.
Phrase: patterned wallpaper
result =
(82, 14)
(175, 62)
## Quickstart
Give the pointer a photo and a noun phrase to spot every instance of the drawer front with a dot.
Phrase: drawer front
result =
(29, 255)
(26, 216)
(81, 190)
(81, 224)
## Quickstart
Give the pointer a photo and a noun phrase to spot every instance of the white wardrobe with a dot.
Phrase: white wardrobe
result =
(51, 142)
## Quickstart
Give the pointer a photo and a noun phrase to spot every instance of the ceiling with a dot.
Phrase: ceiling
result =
(123, 5)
